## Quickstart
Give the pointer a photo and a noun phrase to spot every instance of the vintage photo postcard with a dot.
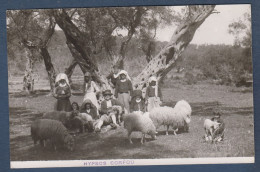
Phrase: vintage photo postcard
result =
(127, 86)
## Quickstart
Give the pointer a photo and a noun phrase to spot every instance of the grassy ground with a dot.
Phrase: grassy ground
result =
(236, 105)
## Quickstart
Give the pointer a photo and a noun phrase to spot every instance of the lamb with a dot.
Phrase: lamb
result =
(87, 121)
(137, 122)
(61, 116)
(53, 130)
(210, 126)
(118, 111)
(177, 117)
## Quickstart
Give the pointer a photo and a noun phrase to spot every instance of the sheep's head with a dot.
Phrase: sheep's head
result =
(188, 119)
(69, 142)
(118, 109)
(112, 111)
(215, 125)
(152, 133)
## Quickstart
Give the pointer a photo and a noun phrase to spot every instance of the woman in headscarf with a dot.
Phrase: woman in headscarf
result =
(153, 94)
(90, 89)
(124, 89)
(88, 108)
(62, 93)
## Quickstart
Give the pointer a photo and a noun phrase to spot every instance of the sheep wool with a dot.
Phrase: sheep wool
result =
(88, 121)
(177, 117)
(137, 122)
(53, 130)
(61, 116)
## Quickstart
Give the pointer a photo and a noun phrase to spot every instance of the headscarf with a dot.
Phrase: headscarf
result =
(122, 72)
(153, 78)
(83, 106)
(61, 76)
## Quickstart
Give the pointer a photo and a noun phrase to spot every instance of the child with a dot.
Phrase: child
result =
(106, 108)
(88, 108)
(62, 93)
(137, 102)
(124, 89)
(75, 109)
(90, 90)
(153, 95)
(218, 134)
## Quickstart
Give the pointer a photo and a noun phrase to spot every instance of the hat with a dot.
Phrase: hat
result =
(152, 78)
(62, 76)
(123, 72)
(87, 74)
(107, 92)
(137, 93)
(87, 101)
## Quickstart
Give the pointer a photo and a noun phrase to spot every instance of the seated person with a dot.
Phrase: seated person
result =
(108, 115)
(137, 102)
(108, 102)
(88, 108)
(106, 119)
(75, 109)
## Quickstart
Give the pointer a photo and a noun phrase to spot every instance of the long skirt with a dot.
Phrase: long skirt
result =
(63, 105)
(153, 102)
(124, 98)
(92, 96)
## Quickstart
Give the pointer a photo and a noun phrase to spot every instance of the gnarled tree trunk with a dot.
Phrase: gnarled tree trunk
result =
(69, 71)
(76, 41)
(161, 64)
(28, 81)
(49, 66)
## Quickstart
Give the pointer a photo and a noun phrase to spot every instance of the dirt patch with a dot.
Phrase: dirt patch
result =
(113, 144)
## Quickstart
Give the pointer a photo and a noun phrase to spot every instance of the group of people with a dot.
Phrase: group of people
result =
(121, 94)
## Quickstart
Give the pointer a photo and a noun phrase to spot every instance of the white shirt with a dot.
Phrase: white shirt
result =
(109, 103)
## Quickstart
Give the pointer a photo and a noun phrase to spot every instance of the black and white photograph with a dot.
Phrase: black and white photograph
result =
(127, 86)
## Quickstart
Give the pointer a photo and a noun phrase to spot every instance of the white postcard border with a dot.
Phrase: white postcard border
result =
(130, 162)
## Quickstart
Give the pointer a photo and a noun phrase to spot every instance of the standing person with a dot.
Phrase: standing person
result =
(124, 89)
(113, 76)
(62, 93)
(91, 90)
(153, 94)
(137, 102)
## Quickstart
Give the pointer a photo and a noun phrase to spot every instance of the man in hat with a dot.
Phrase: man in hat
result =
(137, 102)
(107, 115)
(108, 102)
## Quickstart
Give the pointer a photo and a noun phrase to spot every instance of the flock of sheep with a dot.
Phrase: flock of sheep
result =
(52, 125)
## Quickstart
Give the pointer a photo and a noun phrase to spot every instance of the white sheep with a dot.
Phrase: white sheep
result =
(142, 123)
(209, 127)
(177, 117)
